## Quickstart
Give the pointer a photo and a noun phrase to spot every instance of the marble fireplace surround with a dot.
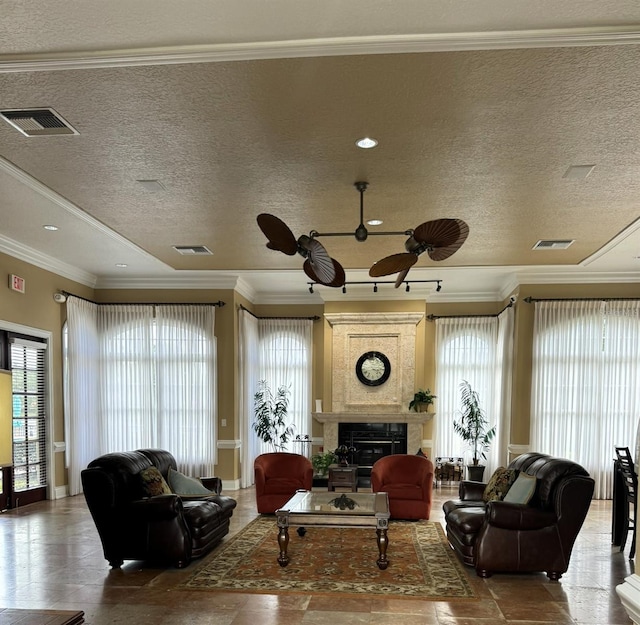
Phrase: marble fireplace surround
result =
(352, 402)
(414, 421)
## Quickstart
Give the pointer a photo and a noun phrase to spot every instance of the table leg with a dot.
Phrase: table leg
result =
(383, 543)
(283, 543)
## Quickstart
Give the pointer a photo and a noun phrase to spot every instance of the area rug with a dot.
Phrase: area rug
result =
(338, 561)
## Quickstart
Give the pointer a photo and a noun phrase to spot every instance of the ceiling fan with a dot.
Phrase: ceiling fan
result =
(440, 238)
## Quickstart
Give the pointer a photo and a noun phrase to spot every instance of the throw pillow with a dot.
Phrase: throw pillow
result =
(499, 484)
(522, 489)
(421, 453)
(186, 486)
(153, 483)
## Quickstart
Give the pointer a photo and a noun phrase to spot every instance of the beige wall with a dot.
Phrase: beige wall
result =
(36, 309)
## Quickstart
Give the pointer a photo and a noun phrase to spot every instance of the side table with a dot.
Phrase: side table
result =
(343, 477)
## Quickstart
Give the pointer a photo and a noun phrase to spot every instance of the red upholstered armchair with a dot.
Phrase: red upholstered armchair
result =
(408, 481)
(278, 476)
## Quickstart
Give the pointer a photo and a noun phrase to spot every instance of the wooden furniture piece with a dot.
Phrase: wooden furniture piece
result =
(625, 498)
(448, 469)
(12, 616)
(343, 477)
(324, 509)
(6, 491)
(278, 476)
(408, 480)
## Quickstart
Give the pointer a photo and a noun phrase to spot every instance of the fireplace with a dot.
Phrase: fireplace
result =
(370, 442)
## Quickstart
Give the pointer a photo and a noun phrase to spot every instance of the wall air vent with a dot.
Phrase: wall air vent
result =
(549, 244)
(38, 122)
(193, 250)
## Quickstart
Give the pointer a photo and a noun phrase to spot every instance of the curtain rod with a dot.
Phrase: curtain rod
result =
(314, 318)
(531, 300)
(434, 317)
(86, 299)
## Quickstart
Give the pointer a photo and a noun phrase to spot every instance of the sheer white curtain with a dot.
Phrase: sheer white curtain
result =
(504, 382)
(127, 418)
(186, 386)
(285, 360)
(249, 360)
(138, 380)
(82, 388)
(585, 383)
(467, 349)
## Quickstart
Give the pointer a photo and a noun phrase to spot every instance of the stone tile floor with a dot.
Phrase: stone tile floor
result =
(51, 558)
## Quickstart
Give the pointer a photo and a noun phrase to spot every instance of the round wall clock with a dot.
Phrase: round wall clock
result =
(373, 368)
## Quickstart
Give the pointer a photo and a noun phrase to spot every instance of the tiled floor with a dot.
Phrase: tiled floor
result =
(50, 557)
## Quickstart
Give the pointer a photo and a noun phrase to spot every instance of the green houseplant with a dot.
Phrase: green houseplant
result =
(422, 400)
(473, 427)
(270, 412)
(321, 462)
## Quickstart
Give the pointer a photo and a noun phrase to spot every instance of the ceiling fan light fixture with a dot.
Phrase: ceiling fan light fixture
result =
(366, 143)
(50, 227)
(374, 222)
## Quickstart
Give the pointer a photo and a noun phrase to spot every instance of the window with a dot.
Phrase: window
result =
(28, 380)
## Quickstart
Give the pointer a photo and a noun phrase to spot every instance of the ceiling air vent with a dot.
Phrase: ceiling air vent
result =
(193, 250)
(549, 244)
(38, 122)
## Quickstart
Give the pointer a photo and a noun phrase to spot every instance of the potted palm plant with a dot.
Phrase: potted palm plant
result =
(473, 428)
(270, 413)
(422, 400)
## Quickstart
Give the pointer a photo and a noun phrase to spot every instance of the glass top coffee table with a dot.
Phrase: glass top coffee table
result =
(324, 509)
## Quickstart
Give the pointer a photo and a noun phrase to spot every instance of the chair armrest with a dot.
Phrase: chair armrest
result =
(214, 484)
(471, 490)
(160, 507)
(516, 516)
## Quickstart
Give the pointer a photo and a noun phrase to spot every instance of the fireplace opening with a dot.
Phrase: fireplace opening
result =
(372, 441)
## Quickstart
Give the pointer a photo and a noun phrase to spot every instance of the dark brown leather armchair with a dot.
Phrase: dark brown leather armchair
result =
(278, 476)
(508, 537)
(163, 528)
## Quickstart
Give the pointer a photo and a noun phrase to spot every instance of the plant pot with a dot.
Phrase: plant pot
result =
(475, 472)
(422, 407)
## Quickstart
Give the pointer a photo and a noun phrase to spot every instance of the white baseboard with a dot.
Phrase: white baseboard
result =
(60, 492)
(230, 485)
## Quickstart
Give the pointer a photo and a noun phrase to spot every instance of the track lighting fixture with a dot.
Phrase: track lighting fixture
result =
(375, 284)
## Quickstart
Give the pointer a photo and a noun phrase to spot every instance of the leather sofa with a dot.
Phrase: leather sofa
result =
(499, 536)
(408, 482)
(163, 528)
(278, 476)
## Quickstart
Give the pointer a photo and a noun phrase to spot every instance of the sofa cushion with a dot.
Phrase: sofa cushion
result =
(499, 484)
(153, 483)
(186, 486)
(403, 491)
(522, 490)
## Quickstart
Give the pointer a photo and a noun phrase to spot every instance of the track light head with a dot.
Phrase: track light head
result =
(438, 287)
(344, 288)
(408, 287)
(375, 287)
(311, 288)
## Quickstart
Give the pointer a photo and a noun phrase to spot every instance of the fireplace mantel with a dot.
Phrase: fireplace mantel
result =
(368, 417)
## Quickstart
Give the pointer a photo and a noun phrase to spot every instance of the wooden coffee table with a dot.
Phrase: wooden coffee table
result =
(323, 509)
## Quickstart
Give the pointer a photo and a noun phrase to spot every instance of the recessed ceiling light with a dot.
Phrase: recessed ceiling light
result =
(151, 185)
(121, 265)
(366, 143)
(50, 227)
(578, 172)
(374, 222)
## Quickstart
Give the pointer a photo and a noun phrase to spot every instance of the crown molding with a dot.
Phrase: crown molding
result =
(611, 244)
(568, 277)
(48, 263)
(176, 280)
(333, 46)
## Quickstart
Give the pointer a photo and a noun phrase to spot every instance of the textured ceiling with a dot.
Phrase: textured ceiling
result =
(481, 135)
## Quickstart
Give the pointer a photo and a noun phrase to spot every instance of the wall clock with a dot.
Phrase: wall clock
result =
(373, 368)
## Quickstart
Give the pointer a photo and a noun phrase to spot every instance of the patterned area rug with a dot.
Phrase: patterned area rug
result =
(337, 560)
